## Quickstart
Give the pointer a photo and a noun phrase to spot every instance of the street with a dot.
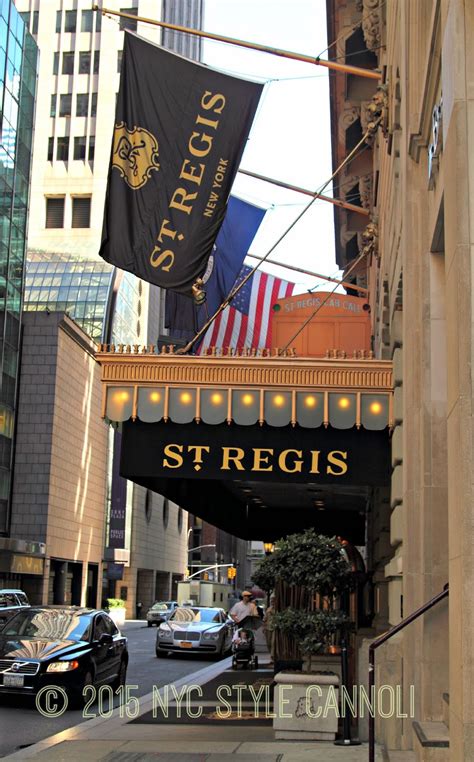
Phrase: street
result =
(22, 725)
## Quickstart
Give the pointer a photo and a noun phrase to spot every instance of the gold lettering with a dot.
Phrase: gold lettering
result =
(259, 460)
(297, 465)
(158, 261)
(192, 174)
(315, 461)
(179, 198)
(227, 458)
(339, 462)
(164, 230)
(214, 99)
(206, 139)
(173, 455)
(198, 449)
(207, 122)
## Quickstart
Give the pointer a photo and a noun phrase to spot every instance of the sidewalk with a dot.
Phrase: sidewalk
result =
(119, 739)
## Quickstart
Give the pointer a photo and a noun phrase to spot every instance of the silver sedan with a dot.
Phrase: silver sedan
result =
(194, 629)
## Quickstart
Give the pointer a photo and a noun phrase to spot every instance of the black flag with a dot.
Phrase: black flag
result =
(180, 131)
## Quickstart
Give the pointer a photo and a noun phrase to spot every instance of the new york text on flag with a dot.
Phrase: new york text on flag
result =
(247, 322)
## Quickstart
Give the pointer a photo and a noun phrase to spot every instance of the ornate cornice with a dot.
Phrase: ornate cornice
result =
(356, 374)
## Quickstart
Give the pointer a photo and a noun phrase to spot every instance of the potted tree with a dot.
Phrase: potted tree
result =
(309, 574)
(117, 609)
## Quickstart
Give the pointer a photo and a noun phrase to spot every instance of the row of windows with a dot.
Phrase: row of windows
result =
(81, 211)
(81, 151)
(70, 21)
(65, 104)
(85, 61)
(34, 18)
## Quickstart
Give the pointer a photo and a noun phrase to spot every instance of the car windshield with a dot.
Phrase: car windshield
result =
(7, 599)
(49, 625)
(194, 615)
(159, 607)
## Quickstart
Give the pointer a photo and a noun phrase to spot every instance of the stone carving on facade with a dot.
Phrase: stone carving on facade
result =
(346, 119)
(365, 191)
(374, 113)
(369, 240)
(372, 23)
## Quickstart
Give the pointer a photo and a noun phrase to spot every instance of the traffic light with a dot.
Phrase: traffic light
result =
(231, 572)
(205, 576)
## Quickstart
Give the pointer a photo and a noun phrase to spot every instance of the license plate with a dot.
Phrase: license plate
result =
(14, 681)
(186, 644)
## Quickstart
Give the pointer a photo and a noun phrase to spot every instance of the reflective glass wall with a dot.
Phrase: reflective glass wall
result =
(83, 289)
(18, 73)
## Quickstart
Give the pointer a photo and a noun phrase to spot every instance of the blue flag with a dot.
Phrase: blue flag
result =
(235, 237)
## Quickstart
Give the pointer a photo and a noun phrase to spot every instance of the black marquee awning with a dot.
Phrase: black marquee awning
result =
(258, 446)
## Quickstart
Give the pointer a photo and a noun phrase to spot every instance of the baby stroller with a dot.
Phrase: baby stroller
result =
(243, 649)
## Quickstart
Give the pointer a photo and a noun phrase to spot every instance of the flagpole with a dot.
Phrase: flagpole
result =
(346, 68)
(335, 201)
(344, 283)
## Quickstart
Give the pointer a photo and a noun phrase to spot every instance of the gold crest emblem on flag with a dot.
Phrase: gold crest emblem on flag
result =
(135, 154)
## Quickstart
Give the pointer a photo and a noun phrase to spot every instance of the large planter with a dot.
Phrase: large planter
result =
(305, 706)
(117, 615)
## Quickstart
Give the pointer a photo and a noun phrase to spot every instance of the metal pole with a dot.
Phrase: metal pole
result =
(363, 290)
(335, 201)
(346, 733)
(368, 73)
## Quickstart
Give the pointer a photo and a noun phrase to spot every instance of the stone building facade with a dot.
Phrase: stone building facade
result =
(419, 271)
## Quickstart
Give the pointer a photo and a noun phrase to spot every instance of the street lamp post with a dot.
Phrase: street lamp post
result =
(191, 550)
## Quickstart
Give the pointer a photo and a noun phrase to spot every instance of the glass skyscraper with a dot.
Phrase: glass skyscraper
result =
(104, 301)
(18, 75)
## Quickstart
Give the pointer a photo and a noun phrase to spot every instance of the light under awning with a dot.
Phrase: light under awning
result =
(308, 409)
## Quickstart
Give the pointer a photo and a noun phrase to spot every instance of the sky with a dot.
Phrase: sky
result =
(290, 136)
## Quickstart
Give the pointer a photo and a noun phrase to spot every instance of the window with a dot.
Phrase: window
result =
(50, 149)
(91, 147)
(98, 22)
(129, 24)
(82, 104)
(86, 21)
(71, 21)
(62, 150)
(119, 60)
(96, 61)
(94, 104)
(34, 28)
(55, 212)
(53, 105)
(79, 148)
(81, 212)
(68, 63)
(65, 103)
(56, 64)
(26, 18)
(84, 62)
(58, 21)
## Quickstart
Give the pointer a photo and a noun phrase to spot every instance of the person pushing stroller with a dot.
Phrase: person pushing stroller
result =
(244, 609)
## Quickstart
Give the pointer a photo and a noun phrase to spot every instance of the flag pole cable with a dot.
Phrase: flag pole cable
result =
(328, 296)
(313, 274)
(234, 291)
(335, 201)
(346, 68)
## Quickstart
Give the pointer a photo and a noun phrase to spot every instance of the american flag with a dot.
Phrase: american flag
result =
(246, 323)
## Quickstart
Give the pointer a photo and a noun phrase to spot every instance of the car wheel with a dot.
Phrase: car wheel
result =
(160, 654)
(77, 699)
(121, 677)
(149, 624)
